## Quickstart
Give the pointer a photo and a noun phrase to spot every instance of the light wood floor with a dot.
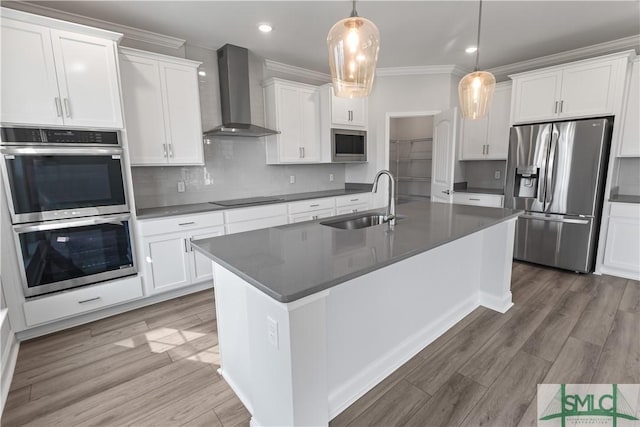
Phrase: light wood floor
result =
(157, 365)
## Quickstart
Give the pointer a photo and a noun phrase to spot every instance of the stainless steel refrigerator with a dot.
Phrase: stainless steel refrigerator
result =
(556, 173)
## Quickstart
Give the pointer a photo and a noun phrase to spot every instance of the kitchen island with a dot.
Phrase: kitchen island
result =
(310, 317)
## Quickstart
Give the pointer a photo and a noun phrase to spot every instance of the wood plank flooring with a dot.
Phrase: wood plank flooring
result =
(156, 366)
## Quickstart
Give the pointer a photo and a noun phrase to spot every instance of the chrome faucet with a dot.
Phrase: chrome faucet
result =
(391, 206)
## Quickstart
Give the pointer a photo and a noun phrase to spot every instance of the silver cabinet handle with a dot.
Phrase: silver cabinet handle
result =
(471, 198)
(190, 247)
(164, 150)
(67, 107)
(447, 191)
(186, 248)
(58, 106)
(561, 105)
(551, 219)
(484, 147)
(89, 300)
(303, 152)
(354, 210)
(555, 109)
(314, 217)
(300, 152)
(314, 206)
(487, 149)
(170, 150)
(186, 223)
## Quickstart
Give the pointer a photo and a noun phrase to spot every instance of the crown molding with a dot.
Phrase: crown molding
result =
(632, 42)
(421, 70)
(296, 71)
(128, 32)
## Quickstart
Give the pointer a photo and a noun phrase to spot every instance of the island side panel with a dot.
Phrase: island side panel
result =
(495, 277)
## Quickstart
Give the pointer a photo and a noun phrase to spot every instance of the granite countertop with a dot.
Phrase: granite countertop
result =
(621, 198)
(159, 212)
(296, 260)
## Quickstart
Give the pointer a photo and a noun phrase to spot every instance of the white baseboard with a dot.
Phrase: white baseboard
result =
(604, 269)
(8, 358)
(354, 389)
(492, 302)
(243, 398)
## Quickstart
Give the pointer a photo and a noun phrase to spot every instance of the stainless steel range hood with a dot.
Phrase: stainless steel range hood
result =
(233, 67)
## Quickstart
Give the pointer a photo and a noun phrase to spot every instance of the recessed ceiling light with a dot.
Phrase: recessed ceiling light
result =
(265, 28)
(471, 49)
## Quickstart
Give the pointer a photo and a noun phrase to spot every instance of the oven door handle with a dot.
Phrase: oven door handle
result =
(62, 151)
(68, 223)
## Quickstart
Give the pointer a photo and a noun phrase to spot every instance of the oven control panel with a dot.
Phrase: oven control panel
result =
(25, 136)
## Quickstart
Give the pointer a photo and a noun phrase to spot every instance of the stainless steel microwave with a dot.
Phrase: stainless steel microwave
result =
(348, 145)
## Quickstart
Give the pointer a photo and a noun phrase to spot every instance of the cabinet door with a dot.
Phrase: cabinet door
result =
(630, 145)
(202, 268)
(473, 140)
(622, 248)
(88, 80)
(289, 124)
(29, 85)
(498, 129)
(535, 96)
(587, 90)
(340, 110)
(310, 110)
(181, 101)
(167, 261)
(358, 111)
(141, 95)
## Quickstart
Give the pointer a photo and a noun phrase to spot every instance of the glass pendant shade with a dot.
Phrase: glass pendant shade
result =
(476, 92)
(353, 53)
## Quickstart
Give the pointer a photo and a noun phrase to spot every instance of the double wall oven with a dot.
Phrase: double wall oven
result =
(67, 197)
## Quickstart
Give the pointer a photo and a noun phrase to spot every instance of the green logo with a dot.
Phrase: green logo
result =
(586, 402)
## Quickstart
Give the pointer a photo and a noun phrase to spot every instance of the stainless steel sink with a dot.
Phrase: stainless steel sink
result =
(357, 222)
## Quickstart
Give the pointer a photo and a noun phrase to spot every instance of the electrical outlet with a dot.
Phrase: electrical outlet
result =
(496, 174)
(330, 177)
(292, 179)
(181, 187)
(272, 331)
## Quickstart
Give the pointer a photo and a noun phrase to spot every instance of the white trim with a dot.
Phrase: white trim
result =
(421, 70)
(492, 302)
(612, 271)
(624, 44)
(237, 390)
(353, 390)
(296, 71)
(128, 32)
(158, 57)
(8, 360)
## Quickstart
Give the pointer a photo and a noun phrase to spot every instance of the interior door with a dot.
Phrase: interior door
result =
(444, 155)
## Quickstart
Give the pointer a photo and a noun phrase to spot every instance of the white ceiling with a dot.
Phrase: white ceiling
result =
(412, 32)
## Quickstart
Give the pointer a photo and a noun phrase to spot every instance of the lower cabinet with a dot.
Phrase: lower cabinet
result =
(353, 203)
(352, 209)
(476, 199)
(311, 215)
(622, 248)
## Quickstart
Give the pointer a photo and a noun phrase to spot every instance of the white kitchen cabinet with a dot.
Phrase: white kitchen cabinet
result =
(311, 215)
(170, 262)
(352, 209)
(254, 218)
(587, 88)
(162, 109)
(630, 135)
(310, 210)
(488, 138)
(347, 112)
(353, 203)
(622, 248)
(293, 109)
(478, 199)
(54, 76)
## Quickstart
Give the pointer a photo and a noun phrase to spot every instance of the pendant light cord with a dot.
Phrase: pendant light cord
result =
(478, 44)
(353, 11)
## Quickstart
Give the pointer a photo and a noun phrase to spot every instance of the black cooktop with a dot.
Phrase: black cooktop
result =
(247, 201)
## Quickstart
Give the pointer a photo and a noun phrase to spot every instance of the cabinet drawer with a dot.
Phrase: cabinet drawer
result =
(354, 199)
(149, 227)
(311, 215)
(353, 209)
(311, 205)
(256, 224)
(83, 300)
(625, 210)
(489, 200)
(248, 214)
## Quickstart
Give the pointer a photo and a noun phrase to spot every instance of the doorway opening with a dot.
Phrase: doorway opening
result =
(410, 156)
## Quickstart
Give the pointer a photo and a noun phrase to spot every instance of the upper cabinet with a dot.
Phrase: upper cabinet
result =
(58, 73)
(488, 138)
(162, 109)
(586, 88)
(344, 112)
(293, 109)
(630, 141)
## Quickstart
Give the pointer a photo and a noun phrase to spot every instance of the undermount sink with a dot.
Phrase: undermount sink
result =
(357, 222)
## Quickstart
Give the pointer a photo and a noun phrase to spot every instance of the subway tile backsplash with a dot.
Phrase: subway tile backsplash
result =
(234, 168)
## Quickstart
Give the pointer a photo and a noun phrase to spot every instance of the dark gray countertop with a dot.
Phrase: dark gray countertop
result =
(621, 198)
(296, 260)
(210, 207)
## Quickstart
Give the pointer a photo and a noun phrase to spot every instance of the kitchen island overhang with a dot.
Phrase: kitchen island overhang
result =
(351, 306)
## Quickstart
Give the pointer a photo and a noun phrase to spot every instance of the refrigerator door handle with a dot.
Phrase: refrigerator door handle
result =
(550, 173)
(556, 219)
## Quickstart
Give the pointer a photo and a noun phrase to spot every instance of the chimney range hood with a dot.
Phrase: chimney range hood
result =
(233, 68)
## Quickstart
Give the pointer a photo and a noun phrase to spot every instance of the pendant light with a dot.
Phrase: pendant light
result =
(476, 89)
(353, 45)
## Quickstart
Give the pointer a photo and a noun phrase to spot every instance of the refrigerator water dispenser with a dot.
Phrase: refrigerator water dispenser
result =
(526, 181)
